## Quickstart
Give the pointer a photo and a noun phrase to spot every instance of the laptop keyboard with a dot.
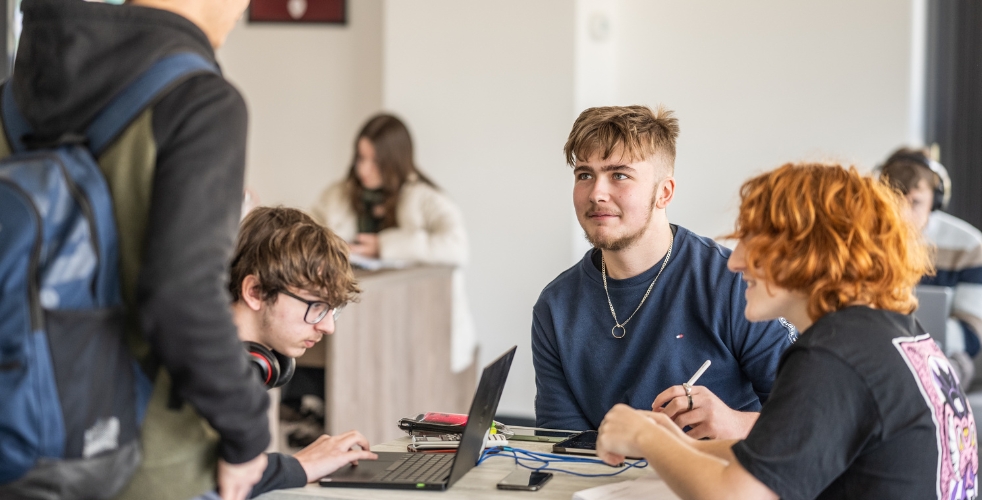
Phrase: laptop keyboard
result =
(418, 468)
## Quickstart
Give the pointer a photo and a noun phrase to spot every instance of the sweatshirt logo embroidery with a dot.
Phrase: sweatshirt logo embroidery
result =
(792, 331)
(958, 466)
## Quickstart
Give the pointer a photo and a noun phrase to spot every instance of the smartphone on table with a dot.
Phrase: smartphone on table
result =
(584, 443)
(525, 480)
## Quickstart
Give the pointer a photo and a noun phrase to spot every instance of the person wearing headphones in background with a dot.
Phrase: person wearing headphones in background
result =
(958, 253)
(289, 280)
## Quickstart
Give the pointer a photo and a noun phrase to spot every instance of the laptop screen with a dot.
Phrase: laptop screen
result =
(479, 418)
(933, 309)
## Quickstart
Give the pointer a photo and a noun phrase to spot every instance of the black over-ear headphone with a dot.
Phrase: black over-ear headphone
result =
(274, 369)
(941, 189)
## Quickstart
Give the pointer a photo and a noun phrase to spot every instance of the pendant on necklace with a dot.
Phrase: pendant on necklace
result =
(613, 331)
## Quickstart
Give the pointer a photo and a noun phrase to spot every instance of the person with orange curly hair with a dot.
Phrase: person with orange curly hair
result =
(865, 404)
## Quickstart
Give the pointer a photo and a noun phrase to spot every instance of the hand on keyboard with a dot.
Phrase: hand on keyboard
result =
(329, 453)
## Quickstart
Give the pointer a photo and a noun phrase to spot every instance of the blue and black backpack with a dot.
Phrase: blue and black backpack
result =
(72, 396)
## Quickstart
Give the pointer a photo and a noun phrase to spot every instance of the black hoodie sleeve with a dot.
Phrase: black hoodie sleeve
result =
(283, 471)
(200, 132)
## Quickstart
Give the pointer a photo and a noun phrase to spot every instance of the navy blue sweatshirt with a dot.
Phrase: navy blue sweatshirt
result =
(694, 313)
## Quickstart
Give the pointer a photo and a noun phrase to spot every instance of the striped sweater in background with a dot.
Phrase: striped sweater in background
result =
(959, 264)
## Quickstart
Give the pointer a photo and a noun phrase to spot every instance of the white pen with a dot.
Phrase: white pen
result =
(699, 372)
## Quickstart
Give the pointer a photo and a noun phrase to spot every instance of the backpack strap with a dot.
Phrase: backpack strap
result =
(121, 110)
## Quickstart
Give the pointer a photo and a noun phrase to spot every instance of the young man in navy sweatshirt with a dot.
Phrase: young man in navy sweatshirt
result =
(651, 302)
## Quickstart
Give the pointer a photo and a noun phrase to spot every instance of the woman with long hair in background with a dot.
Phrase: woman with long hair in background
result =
(387, 208)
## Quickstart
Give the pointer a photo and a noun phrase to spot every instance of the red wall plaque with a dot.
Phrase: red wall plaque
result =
(298, 11)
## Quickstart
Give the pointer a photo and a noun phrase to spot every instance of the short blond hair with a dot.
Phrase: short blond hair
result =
(636, 131)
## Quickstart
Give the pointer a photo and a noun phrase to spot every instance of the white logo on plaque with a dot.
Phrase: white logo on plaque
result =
(296, 8)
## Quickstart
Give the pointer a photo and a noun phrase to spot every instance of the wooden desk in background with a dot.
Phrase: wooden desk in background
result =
(390, 354)
(480, 483)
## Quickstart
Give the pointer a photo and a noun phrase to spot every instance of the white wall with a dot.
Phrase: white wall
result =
(486, 88)
(757, 83)
(309, 88)
(490, 90)
(597, 50)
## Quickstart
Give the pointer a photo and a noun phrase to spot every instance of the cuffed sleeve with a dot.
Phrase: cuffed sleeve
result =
(282, 471)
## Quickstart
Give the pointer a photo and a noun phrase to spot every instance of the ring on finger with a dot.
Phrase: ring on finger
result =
(690, 402)
(688, 389)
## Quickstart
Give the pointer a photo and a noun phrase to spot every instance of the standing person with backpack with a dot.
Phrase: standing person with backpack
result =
(289, 281)
(174, 173)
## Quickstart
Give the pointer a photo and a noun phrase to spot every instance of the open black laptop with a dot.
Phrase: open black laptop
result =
(433, 471)
(933, 310)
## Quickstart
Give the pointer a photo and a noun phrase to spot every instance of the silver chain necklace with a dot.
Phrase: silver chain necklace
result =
(603, 273)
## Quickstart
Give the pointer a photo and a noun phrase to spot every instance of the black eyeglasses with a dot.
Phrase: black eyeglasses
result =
(316, 310)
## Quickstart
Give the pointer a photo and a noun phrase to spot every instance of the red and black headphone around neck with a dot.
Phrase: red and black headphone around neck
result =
(274, 369)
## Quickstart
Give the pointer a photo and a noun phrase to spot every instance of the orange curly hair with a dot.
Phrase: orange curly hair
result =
(836, 235)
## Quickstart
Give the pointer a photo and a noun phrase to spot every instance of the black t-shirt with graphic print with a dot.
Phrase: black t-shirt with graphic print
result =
(865, 405)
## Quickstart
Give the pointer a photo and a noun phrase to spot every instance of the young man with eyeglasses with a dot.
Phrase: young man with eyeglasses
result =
(289, 279)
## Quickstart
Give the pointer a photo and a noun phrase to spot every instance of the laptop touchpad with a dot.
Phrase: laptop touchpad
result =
(366, 469)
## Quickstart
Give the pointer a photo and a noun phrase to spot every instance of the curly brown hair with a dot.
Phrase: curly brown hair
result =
(834, 234)
(283, 248)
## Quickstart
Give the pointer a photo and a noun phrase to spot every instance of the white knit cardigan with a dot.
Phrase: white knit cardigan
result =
(429, 230)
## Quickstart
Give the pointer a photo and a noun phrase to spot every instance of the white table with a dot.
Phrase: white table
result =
(480, 482)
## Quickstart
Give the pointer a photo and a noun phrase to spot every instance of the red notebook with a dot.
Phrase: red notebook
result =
(445, 418)
(444, 423)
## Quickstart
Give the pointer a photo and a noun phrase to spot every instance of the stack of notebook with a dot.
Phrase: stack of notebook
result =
(436, 432)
